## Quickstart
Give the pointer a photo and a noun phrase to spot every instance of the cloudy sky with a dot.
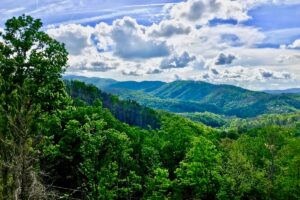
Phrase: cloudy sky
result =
(250, 43)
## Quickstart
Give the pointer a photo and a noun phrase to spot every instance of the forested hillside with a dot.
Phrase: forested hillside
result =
(69, 140)
(127, 111)
(197, 96)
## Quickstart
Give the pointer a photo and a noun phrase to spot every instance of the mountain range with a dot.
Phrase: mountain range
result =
(287, 91)
(198, 96)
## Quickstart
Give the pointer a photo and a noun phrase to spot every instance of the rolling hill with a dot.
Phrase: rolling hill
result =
(198, 96)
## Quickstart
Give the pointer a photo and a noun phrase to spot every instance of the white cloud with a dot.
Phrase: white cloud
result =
(210, 41)
(202, 11)
(168, 28)
(102, 33)
(75, 37)
(91, 60)
(295, 44)
(176, 47)
(177, 61)
(132, 42)
(83, 44)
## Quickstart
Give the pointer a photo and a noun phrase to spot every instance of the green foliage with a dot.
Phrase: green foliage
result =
(97, 146)
(32, 61)
(199, 173)
(84, 145)
(126, 111)
(241, 178)
(209, 119)
(288, 178)
(31, 64)
(197, 96)
(158, 185)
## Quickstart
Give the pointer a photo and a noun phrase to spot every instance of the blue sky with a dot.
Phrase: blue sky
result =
(249, 43)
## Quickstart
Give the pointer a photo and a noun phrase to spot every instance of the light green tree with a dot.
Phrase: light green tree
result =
(199, 173)
(158, 186)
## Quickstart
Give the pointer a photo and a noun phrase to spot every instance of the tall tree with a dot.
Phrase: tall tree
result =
(31, 65)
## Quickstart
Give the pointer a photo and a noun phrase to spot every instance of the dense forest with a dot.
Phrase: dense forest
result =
(70, 140)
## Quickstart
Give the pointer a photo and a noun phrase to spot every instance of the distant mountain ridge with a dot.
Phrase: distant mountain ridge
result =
(198, 96)
(98, 82)
(287, 91)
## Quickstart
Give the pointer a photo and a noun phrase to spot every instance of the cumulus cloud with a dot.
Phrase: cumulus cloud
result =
(202, 11)
(91, 60)
(75, 37)
(168, 28)
(102, 35)
(132, 42)
(224, 59)
(295, 44)
(177, 61)
(233, 35)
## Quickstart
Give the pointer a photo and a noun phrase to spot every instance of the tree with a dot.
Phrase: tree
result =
(199, 173)
(176, 134)
(87, 158)
(241, 180)
(288, 179)
(158, 185)
(31, 65)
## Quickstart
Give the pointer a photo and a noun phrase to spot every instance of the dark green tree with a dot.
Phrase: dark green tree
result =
(31, 65)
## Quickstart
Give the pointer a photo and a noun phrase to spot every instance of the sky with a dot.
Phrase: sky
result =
(254, 44)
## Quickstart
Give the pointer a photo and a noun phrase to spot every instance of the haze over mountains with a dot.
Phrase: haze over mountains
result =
(197, 96)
